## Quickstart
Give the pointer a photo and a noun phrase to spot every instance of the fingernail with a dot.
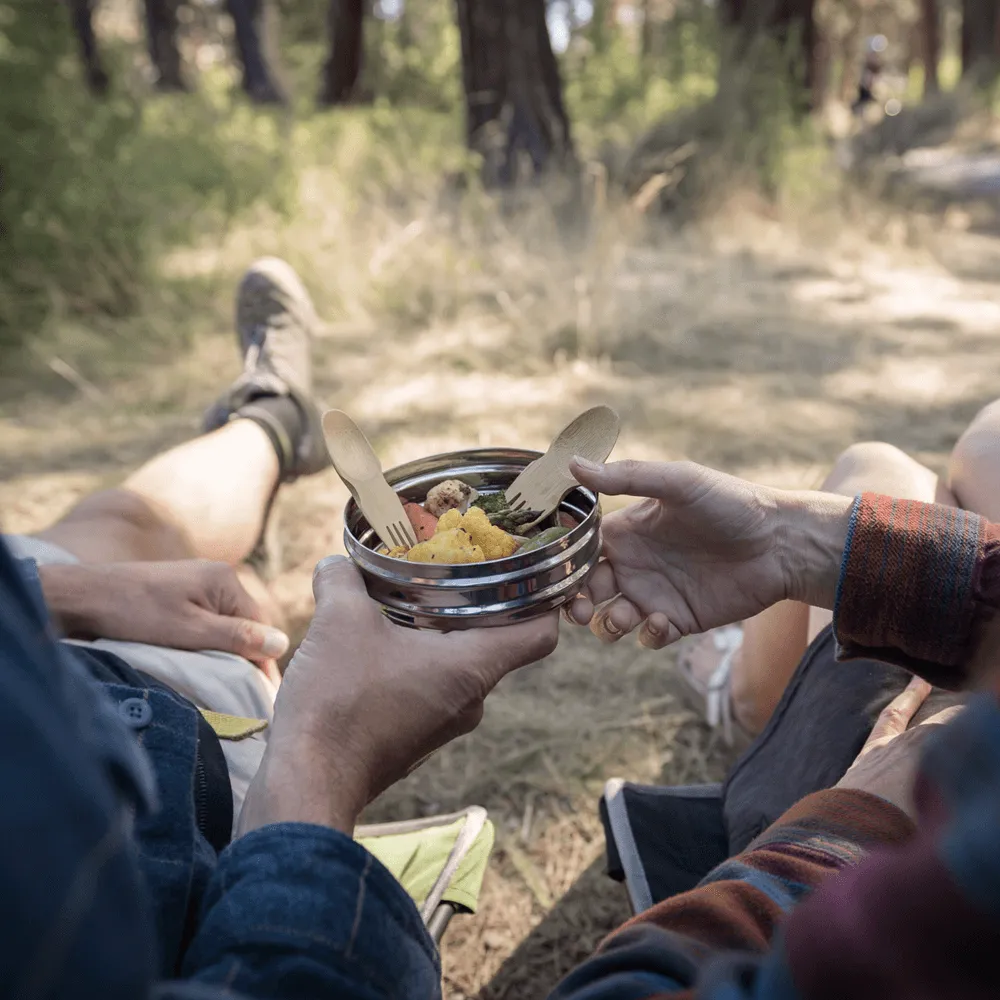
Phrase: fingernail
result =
(275, 643)
(611, 628)
(652, 629)
(585, 463)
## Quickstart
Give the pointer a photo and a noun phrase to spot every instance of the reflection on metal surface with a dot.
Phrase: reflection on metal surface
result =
(446, 597)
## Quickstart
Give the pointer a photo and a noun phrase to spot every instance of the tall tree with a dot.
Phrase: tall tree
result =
(646, 36)
(979, 39)
(600, 23)
(161, 24)
(253, 40)
(161, 36)
(850, 53)
(785, 22)
(930, 44)
(514, 102)
(342, 72)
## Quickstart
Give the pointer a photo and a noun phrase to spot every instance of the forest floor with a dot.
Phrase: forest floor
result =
(756, 347)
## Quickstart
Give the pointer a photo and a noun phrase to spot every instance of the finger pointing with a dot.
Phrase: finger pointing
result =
(639, 479)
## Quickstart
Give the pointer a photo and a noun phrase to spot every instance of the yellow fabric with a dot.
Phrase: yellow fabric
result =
(233, 727)
(417, 858)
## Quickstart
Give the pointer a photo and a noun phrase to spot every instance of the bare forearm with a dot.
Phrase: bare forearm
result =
(812, 536)
(302, 780)
(920, 583)
(71, 594)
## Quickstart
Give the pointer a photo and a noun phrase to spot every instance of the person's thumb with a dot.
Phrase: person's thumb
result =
(242, 636)
(495, 652)
(337, 578)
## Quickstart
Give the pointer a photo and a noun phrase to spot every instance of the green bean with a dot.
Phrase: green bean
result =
(544, 538)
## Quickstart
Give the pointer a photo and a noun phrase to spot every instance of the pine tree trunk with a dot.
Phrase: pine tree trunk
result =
(161, 36)
(82, 13)
(514, 104)
(599, 24)
(343, 68)
(782, 21)
(930, 48)
(850, 58)
(646, 38)
(822, 73)
(252, 37)
(979, 40)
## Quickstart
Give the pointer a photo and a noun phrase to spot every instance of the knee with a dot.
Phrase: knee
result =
(134, 524)
(979, 442)
(859, 459)
(121, 506)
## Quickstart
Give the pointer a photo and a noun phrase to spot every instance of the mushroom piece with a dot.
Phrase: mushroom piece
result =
(452, 494)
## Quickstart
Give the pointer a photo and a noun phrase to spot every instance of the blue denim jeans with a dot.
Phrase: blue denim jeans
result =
(111, 891)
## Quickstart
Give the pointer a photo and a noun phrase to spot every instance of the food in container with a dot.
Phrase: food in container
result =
(544, 571)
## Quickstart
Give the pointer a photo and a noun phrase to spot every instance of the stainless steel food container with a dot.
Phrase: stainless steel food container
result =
(472, 595)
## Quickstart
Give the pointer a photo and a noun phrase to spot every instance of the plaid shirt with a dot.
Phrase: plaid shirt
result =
(844, 897)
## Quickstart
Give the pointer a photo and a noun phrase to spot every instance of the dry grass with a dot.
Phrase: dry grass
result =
(757, 347)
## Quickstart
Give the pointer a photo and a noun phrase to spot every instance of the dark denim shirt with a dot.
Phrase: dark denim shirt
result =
(111, 891)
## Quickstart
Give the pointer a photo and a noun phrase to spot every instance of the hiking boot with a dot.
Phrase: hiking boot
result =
(275, 322)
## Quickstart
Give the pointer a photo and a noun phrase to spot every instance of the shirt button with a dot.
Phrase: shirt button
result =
(135, 712)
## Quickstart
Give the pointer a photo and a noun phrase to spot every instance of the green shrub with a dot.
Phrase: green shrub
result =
(71, 237)
(93, 188)
(414, 60)
(613, 95)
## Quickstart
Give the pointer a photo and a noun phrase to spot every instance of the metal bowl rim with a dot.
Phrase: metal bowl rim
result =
(384, 565)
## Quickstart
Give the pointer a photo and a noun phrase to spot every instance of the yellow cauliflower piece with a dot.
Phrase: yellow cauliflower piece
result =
(449, 521)
(454, 546)
(494, 541)
(397, 552)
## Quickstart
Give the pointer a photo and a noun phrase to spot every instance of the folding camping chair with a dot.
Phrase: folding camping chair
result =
(662, 840)
(439, 861)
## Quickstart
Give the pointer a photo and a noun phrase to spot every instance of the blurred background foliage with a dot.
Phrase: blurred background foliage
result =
(64, 245)
(95, 190)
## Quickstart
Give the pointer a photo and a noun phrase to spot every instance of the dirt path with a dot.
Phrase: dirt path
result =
(763, 363)
(958, 174)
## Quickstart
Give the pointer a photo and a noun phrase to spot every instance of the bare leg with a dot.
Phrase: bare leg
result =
(209, 498)
(774, 641)
(974, 469)
(205, 499)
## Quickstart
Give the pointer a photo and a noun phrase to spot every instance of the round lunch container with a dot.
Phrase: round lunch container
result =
(473, 595)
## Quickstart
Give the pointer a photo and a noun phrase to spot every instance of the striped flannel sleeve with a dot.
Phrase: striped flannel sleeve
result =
(695, 944)
(924, 918)
(911, 912)
(805, 913)
(916, 582)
